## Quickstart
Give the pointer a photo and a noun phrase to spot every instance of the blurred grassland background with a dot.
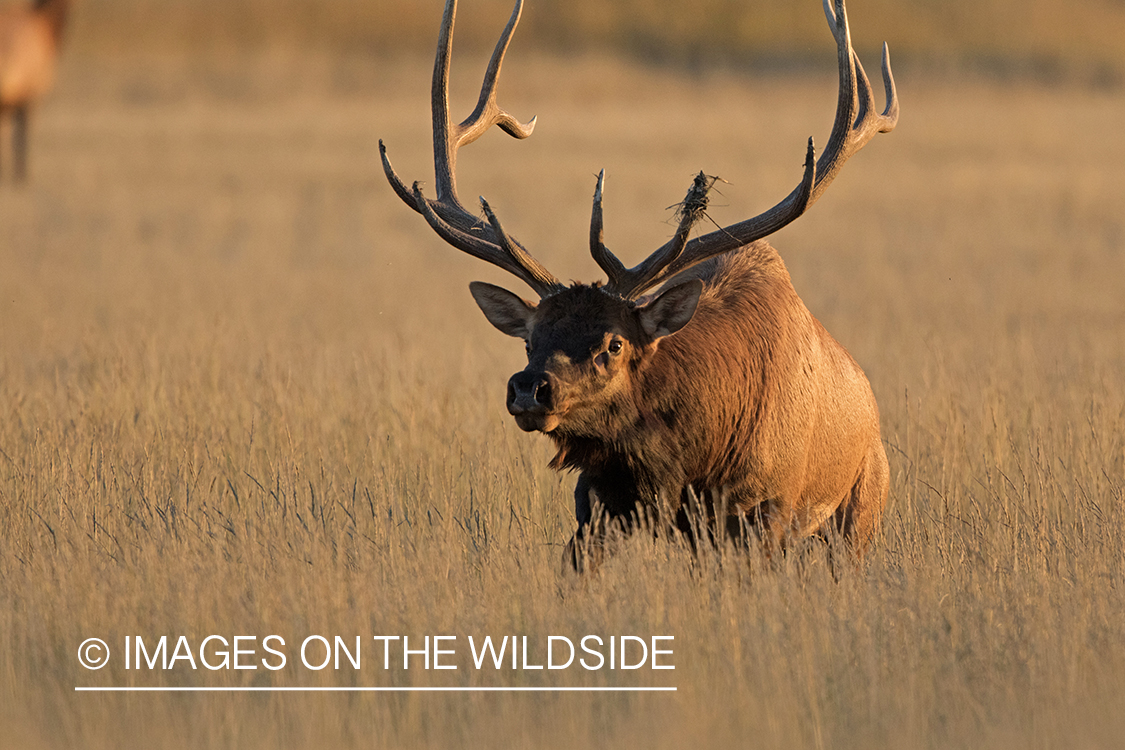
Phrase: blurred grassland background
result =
(1045, 38)
(244, 390)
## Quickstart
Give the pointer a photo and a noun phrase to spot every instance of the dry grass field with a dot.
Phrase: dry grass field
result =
(245, 391)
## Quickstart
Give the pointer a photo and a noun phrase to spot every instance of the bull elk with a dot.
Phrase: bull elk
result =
(718, 398)
(29, 47)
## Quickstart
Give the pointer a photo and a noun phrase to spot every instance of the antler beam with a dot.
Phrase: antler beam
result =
(445, 213)
(856, 123)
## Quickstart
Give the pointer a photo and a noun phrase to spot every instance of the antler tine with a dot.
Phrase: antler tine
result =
(397, 184)
(649, 274)
(487, 112)
(635, 280)
(445, 213)
(890, 112)
(537, 277)
(448, 138)
(606, 260)
(856, 123)
(510, 256)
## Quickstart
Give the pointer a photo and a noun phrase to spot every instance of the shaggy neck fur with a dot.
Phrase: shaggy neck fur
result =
(693, 400)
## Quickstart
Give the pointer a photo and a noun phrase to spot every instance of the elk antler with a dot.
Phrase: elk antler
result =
(446, 214)
(856, 123)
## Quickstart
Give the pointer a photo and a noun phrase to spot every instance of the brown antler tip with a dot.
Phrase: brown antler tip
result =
(396, 182)
(888, 76)
(890, 112)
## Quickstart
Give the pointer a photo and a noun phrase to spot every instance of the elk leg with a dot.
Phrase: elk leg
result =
(577, 556)
(582, 508)
(19, 143)
(858, 517)
(586, 549)
(773, 522)
(691, 518)
(602, 527)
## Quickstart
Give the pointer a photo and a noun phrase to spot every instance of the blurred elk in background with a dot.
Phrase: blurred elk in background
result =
(716, 405)
(29, 48)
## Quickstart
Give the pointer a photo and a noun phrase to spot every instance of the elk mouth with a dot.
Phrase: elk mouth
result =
(529, 422)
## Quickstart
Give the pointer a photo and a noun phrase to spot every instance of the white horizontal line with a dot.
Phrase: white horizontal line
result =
(115, 689)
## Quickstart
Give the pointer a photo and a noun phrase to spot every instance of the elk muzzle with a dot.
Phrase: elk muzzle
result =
(531, 400)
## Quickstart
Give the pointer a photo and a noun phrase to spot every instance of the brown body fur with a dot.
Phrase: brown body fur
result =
(752, 402)
(29, 46)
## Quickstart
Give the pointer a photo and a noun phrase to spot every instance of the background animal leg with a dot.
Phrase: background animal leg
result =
(19, 144)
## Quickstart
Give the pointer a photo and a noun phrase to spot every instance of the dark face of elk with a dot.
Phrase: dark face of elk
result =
(584, 345)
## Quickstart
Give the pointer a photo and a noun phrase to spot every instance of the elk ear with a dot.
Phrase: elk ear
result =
(506, 311)
(672, 310)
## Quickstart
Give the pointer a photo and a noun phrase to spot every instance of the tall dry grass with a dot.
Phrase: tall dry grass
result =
(245, 391)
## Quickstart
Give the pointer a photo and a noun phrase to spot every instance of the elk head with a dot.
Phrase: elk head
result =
(582, 346)
(584, 342)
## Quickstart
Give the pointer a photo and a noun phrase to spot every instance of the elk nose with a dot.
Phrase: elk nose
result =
(529, 392)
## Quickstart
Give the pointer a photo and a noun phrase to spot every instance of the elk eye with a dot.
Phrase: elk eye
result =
(615, 346)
